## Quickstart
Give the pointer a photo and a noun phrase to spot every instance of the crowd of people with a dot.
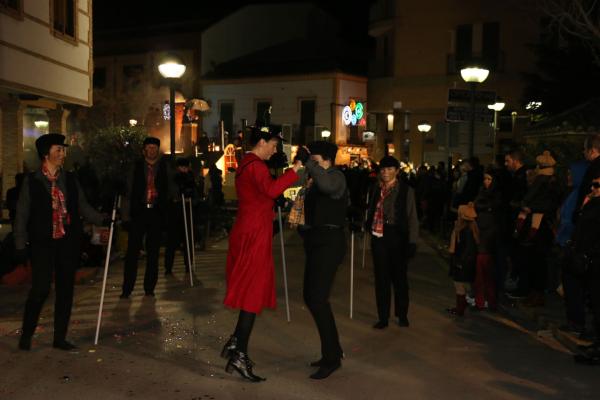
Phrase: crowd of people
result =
(516, 231)
(503, 222)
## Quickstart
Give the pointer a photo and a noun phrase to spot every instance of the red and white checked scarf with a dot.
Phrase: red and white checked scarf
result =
(59, 205)
(151, 192)
(378, 218)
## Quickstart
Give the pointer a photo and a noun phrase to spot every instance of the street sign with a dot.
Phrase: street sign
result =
(463, 113)
(464, 96)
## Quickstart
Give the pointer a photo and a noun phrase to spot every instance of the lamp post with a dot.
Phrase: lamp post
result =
(172, 69)
(497, 107)
(423, 127)
(325, 134)
(473, 75)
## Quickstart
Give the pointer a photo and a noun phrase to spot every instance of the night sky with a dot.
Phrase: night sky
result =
(119, 14)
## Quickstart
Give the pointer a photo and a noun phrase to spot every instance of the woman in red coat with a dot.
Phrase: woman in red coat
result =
(250, 269)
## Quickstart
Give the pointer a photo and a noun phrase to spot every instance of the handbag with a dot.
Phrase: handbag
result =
(296, 215)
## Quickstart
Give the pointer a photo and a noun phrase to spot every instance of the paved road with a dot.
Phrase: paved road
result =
(168, 348)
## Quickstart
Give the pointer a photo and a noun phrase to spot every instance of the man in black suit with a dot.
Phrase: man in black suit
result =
(143, 212)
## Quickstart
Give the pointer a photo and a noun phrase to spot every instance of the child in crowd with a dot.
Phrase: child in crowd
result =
(463, 247)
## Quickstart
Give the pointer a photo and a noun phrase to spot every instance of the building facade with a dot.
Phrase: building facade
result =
(419, 51)
(295, 73)
(45, 65)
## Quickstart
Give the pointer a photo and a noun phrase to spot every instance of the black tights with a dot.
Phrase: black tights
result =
(243, 329)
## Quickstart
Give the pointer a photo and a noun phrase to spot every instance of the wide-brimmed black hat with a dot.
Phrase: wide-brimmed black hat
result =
(266, 132)
(327, 150)
(44, 142)
(151, 140)
(389, 161)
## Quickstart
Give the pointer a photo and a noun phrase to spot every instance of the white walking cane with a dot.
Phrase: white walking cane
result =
(187, 239)
(106, 262)
(192, 234)
(285, 284)
(365, 232)
(351, 273)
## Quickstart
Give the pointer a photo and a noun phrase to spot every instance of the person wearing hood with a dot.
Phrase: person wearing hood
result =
(573, 285)
(487, 205)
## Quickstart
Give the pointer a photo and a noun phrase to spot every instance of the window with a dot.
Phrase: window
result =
(99, 78)
(307, 121)
(226, 115)
(388, 59)
(132, 77)
(263, 113)
(12, 7)
(490, 51)
(464, 44)
(63, 21)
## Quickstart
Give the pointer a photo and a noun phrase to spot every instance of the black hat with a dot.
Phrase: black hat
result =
(183, 162)
(152, 140)
(44, 142)
(267, 133)
(327, 150)
(389, 161)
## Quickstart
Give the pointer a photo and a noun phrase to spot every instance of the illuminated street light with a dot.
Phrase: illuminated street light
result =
(325, 133)
(473, 75)
(172, 69)
(423, 127)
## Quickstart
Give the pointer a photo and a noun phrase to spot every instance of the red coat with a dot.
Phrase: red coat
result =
(250, 268)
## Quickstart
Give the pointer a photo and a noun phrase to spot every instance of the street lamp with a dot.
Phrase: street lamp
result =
(423, 127)
(473, 75)
(172, 69)
(497, 107)
(325, 133)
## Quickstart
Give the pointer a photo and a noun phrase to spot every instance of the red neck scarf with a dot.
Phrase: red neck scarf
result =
(60, 217)
(151, 192)
(378, 217)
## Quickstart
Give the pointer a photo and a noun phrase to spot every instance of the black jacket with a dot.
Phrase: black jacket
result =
(405, 210)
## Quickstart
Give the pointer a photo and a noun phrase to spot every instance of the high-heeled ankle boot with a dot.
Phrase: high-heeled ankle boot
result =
(243, 365)
(229, 347)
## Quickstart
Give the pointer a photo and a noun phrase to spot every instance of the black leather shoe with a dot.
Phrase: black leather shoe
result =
(124, 296)
(380, 325)
(243, 365)
(229, 348)
(25, 342)
(403, 322)
(149, 294)
(64, 345)
(168, 273)
(325, 370)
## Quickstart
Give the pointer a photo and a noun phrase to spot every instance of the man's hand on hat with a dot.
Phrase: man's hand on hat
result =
(302, 155)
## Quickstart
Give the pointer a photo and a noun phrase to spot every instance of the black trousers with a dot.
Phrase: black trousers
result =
(148, 225)
(390, 265)
(575, 289)
(176, 235)
(58, 256)
(325, 249)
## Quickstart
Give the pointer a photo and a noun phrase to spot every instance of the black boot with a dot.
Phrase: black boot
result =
(25, 342)
(229, 348)
(64, 345)
(243, 365)
(325, 370)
